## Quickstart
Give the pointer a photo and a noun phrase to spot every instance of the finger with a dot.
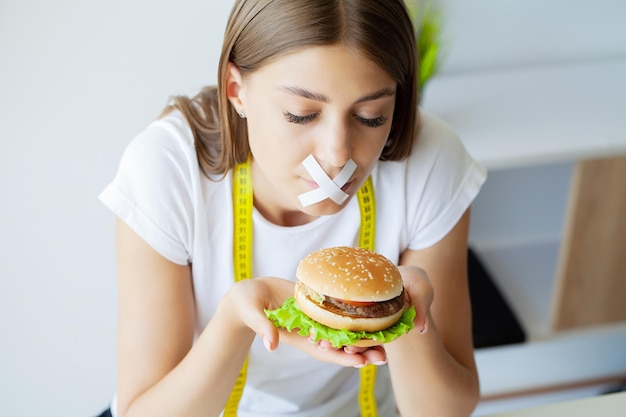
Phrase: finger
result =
(354, 349)
(339, 356)
(264, 328)
(421, 317)
(271, 340)
(375, 355)
(420, 294)
(331, 355)
(325, 345)
(269, 335)
(321, 344)
(422, 303)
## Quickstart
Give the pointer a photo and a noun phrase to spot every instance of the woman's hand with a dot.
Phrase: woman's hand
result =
(420, 294)
(247, 301)
(356, 356)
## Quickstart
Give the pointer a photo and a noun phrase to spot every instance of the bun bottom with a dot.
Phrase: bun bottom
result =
(339, 322)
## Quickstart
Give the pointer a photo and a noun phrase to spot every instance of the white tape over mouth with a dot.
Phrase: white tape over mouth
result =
(328, 188)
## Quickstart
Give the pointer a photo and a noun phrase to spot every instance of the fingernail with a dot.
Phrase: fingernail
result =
(425, 328)
(267, 343)
(359, 365)
(379, 363)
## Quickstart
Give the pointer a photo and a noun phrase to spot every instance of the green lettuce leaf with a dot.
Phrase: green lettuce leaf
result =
(290, 317)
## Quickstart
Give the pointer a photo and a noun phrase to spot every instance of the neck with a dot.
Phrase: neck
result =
(282, 217)
(272, 206)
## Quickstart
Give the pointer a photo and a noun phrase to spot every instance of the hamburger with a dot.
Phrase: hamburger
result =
(348, 296)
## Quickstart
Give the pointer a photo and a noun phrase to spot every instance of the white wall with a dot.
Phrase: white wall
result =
(501, 34)
(78, 79)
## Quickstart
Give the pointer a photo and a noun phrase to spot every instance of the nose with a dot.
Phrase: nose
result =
(333, 148)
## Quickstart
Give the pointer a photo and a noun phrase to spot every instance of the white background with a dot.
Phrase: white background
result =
(78, 79)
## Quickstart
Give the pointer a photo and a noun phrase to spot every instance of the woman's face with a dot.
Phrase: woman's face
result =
(324, 101)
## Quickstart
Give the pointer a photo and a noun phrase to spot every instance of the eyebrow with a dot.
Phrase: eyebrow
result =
(385, 92)
(298, 91)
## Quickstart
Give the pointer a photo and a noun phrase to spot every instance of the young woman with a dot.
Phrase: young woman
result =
(313, 98)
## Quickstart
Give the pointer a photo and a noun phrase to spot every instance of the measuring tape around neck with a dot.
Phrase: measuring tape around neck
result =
(242, 262)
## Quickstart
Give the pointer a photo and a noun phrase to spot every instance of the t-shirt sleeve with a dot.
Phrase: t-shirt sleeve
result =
(151, 191)
(443, 180)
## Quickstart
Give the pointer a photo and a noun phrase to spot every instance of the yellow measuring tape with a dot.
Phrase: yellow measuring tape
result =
(367, 240)
(242, 262)
(242, 258)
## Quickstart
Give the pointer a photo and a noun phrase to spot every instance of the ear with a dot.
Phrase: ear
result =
(234, 84)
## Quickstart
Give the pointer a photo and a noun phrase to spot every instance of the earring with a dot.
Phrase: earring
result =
(242, 115)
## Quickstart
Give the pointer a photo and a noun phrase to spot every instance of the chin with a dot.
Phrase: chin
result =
(325, 208)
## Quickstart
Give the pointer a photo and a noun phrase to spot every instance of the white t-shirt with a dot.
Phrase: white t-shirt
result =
(160, 191)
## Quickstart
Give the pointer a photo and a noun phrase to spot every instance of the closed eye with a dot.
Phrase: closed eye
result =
(375, 122)
(301, 120)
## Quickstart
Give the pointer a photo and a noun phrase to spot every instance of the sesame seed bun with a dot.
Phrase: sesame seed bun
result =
(333, 277)
(350, 273)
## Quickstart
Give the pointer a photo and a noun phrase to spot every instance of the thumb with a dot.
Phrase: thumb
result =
(264, 328)
(254, 318)
(422, 298)
(250, 298)
(420, 293)
(268, 333)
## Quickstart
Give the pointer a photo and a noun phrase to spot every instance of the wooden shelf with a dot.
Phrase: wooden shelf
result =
(590, 285)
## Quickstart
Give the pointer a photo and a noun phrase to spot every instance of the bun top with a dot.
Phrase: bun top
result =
(350, 273)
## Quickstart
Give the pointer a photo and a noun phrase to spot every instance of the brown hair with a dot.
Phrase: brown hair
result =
(260, 31)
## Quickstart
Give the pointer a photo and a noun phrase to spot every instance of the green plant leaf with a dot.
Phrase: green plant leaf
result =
(426, 19)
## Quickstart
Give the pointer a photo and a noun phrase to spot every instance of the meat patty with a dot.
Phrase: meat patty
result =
(380, 309)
